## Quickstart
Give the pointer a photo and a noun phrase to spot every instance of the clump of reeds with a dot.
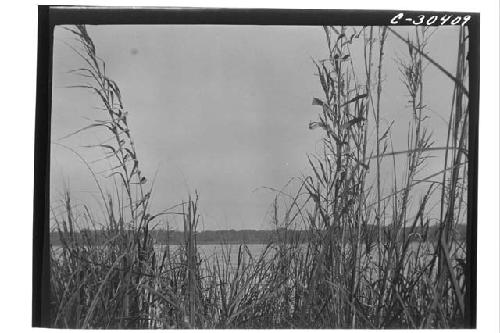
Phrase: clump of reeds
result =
(374, 264)
(114, 283)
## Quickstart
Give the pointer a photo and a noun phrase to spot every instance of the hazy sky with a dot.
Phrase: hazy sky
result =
(220, 109)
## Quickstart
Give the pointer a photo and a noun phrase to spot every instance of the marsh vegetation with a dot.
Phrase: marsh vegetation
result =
(381, 239)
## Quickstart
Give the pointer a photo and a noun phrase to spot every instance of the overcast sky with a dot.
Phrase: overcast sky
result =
(220, 109)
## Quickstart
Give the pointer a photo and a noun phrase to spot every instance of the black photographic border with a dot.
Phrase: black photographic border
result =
(50, 16)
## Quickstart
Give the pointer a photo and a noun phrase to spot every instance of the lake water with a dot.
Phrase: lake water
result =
(209, 252)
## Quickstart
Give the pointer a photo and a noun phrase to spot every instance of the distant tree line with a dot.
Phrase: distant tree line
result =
(174, 237)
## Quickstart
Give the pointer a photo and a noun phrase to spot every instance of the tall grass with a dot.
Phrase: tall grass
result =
(367, 259)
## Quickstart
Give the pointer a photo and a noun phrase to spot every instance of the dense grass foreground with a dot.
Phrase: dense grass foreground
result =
(368, 261)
